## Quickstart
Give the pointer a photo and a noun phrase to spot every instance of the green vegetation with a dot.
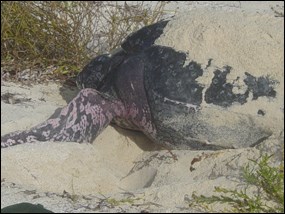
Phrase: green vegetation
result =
(66, 34)
(268, 195)
(114, 202)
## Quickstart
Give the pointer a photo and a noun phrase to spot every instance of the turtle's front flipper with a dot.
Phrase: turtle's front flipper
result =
(80, 121)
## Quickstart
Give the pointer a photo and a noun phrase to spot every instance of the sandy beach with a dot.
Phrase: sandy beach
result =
(122, 170)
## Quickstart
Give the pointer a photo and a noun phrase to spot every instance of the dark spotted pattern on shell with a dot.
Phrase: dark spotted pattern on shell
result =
(170, 79)
(221, 93)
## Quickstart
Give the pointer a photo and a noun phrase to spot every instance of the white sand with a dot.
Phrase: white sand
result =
(243, 40)
(128, 162)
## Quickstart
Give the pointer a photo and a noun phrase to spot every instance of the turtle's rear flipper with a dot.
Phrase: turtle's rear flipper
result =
(80, 121)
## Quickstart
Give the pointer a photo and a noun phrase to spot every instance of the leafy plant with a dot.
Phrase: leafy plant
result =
(268, 197)
(66, 34)
(114, 202)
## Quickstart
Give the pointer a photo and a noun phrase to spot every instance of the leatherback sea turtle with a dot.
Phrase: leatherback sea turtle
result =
(151, 88)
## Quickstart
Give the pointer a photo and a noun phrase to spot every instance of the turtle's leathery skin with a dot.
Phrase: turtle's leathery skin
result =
(143, 38)
(95, 73)
(167, 94)
(130, 89)
(80, 121)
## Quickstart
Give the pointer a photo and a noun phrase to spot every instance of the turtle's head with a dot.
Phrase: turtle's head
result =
(94, 72)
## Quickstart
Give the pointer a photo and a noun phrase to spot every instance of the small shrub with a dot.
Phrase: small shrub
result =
(269, 197)
(67, 34)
